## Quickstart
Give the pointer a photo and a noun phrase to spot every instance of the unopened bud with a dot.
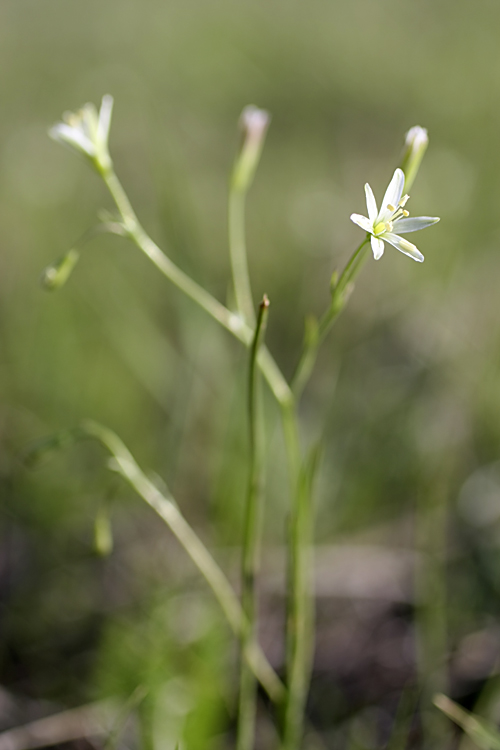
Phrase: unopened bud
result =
(56, 275)
(416, 143)
(103, 535)
(253, 123)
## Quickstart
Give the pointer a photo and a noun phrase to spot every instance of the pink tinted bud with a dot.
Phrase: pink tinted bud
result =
(253, 123)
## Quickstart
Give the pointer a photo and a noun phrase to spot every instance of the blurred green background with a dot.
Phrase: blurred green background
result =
(406, 390)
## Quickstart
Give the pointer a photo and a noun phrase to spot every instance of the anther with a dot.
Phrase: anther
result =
(391, 207)
(405, 212)
(403, 200)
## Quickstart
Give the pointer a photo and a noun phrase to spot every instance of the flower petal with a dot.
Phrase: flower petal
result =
(104, 119)
(377, 247)
(362, 222)
(414, 223)
(73, 137)
(392, 195)
(371, 203)
(89, 120)
(404, 246)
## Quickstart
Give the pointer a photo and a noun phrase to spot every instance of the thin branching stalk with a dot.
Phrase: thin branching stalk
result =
(253, 126)
(167, 509)
(251, 540)
(300, 608)
(340, 295)
(244, 326)
(231, 322)
(165, 506)
(300, 603)
(431, 527)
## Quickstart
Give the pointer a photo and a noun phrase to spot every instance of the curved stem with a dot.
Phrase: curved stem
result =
(165, 506)
(251, 541)
(231, 322)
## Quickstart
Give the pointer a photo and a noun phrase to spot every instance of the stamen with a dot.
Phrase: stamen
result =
(389, 226)
(391, 207)
(406, 213)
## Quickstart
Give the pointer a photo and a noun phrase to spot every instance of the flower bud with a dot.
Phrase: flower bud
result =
(253, 123)
(103, 535)
(56, 275)
(416, 143)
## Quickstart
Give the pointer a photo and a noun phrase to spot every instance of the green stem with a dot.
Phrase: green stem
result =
(300, 610)
(164, 505)
(251, 542)
(340, 296)
(231, 322)
(431, 525)
(299, 637)
(238, 255)
(300, 614)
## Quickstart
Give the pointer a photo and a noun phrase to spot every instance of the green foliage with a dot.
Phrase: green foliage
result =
(171, 654)
(483, 734)
(414, 357)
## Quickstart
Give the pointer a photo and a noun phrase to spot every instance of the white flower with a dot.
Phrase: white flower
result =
(87, 132)
(392, 220)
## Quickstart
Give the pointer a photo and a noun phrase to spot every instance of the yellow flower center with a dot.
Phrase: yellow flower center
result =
(397, 213)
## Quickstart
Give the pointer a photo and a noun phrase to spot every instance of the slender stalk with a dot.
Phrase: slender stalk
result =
(238, 255)
(340, 295)
(165, 506)
(233, 323)
(482, 732)
(300, 613)
(403, 719)
(166, 266)
(251, 542)
(430, 615)
(299, 607)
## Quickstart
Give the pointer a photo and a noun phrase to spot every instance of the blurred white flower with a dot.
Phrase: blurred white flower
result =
(392, 220)
(87, 131)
